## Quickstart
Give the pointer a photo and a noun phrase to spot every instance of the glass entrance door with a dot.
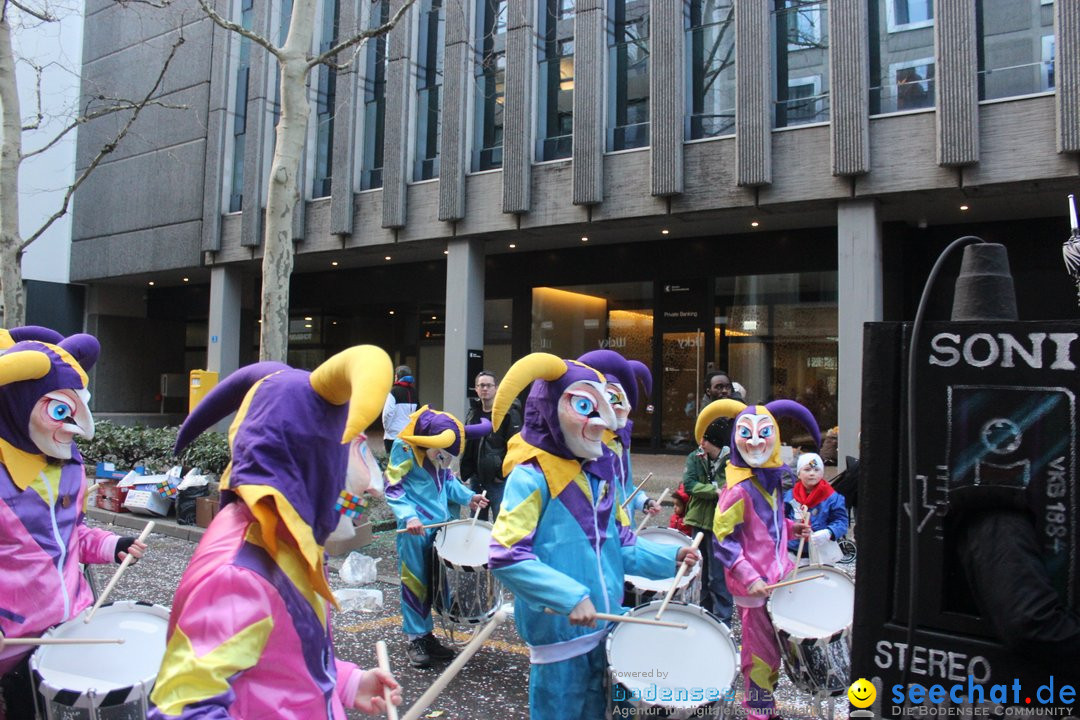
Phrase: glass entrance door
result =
(683, 356)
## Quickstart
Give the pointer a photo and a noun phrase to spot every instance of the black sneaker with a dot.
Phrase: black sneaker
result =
(435, 649)
(418, 653)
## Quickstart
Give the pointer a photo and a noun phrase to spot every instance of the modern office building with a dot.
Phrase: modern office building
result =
(735, 184)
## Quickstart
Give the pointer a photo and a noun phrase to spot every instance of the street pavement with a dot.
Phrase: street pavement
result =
(492, 686)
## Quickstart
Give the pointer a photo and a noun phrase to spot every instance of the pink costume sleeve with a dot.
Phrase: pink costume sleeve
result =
(94, 545)
(348, 676)
(732, 507)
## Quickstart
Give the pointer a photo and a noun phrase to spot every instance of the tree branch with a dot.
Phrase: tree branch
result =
(83, 119)
(325, 58)
(39, 14)
(240, 30)
(38, 70)
(106, 149)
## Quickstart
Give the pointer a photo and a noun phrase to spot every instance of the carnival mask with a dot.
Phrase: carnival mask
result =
(755, 438)
(585, 412)
(57, 418)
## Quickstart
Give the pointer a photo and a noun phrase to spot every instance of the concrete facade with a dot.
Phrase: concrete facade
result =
(158, 209)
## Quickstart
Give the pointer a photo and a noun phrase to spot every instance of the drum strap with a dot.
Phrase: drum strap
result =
(557, 652)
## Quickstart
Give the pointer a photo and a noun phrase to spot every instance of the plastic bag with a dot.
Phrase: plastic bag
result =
(362, 599)
(359, 569)
(185, 503)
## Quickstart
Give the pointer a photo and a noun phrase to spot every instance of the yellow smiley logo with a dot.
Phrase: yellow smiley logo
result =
(862, 693)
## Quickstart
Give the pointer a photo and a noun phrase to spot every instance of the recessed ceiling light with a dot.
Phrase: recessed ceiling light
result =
(334, 322)
(434, 318)
(386, 258)
(150, 283)
(512, 246)
(333, 263)
(391, 312)
(187, 279)
(308, 319)
(445, 252)
(584, 239)
(963, 207)
(665, 231)
(307, 325)
(506, 327)
(754, 223)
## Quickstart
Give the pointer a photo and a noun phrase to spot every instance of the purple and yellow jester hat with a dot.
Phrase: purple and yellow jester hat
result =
(289, 442)
(429, 428)
(35, 361)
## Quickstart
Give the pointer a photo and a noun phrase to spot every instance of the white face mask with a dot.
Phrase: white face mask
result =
(361, 476)
(584, 414)
(439, 458)
(57, 418)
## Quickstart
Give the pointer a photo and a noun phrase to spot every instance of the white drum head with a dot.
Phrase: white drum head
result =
(456, 544)
(702, 656)
(111, 666)
(815, 608)
(665, 536)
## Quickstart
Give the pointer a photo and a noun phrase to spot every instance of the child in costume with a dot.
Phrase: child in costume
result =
(419, 487)
(556, 544)
(623, 376)
(828, 513)
(43, 535)
(750, 533)
(249, 635)
(678, 518)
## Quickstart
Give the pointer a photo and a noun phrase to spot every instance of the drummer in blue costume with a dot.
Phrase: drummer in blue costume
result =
(419, 485)
(556, 543)
(623, 377)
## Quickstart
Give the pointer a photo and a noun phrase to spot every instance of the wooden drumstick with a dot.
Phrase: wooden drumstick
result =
(683, 567)
(455, 667)
(802, 541)
(631, 495)
(433, 525)
(5, 641)
(119, 571)
(384, 664)
(476, 514)
(794, 581)
(647, 517)
(632, 619)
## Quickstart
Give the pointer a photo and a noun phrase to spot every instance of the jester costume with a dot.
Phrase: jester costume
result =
(416, 488)
(249, 634)
(623, 377)
(750, 532)
(43, 536)
(557, 540)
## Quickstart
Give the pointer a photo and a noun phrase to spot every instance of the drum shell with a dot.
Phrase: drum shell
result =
(623, 705)
(123, 703)
(464, 594)
(820, 665)
(635, 595)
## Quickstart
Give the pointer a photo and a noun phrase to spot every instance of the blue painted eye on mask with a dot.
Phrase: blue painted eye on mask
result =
(58, 411)
(744, 432)
(583, 405)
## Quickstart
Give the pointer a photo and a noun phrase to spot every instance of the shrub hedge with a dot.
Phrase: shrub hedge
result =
(152, 447)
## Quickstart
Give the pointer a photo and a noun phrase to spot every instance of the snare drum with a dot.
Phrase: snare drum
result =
(700, 664)
(813, 626)
(465, 590)
(107, 681)
(638, 590)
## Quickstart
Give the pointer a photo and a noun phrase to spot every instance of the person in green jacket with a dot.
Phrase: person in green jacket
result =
(703, 478)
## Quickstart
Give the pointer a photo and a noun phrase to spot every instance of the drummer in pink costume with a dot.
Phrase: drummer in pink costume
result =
(43, 536)
(249, 635)
(750, 534)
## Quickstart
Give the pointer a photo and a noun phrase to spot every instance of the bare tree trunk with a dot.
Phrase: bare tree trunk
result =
(10, 155)
(283, 193)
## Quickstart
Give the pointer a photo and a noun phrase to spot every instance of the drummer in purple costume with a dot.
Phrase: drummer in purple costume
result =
(249, 635)
(750, 533)
(623, 376)
(419, 485)
(556, 543)
(43, 537)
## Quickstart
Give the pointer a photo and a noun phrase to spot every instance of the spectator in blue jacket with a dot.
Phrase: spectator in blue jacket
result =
(828, 513)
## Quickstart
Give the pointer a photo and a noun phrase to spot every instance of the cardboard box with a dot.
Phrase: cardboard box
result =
(110, 496)
(108, 471)
(362, 539)
(147, 502)
(205, 510)
(112, 505)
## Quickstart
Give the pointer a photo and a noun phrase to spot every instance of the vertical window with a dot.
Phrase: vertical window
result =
(429, 71)
(628, 63)
(1013, 57)
(711, 56)
(374, 99)
(490, 83)
(239, 116)
(901, 66)
(802, 61)
(325, 98)
(555, 97)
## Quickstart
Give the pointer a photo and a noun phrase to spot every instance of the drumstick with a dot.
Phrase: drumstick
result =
(119, 571)
(647, 515)
(631, 496)
(5, 641)
(448, 674)
(785, 583)
(432, 525)
(802, 541)
(632, 619)
(384, 664)
(678, 576)
(475, 515)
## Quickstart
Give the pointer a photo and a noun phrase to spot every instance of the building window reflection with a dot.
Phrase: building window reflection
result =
(374, 99)
(802, 62)
(555, 97)
(239, 109)
(628, 65)
(711, 55)
(490, 83)
(901, 66)
(1014, 58)
(325, 82)
(429, 77)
